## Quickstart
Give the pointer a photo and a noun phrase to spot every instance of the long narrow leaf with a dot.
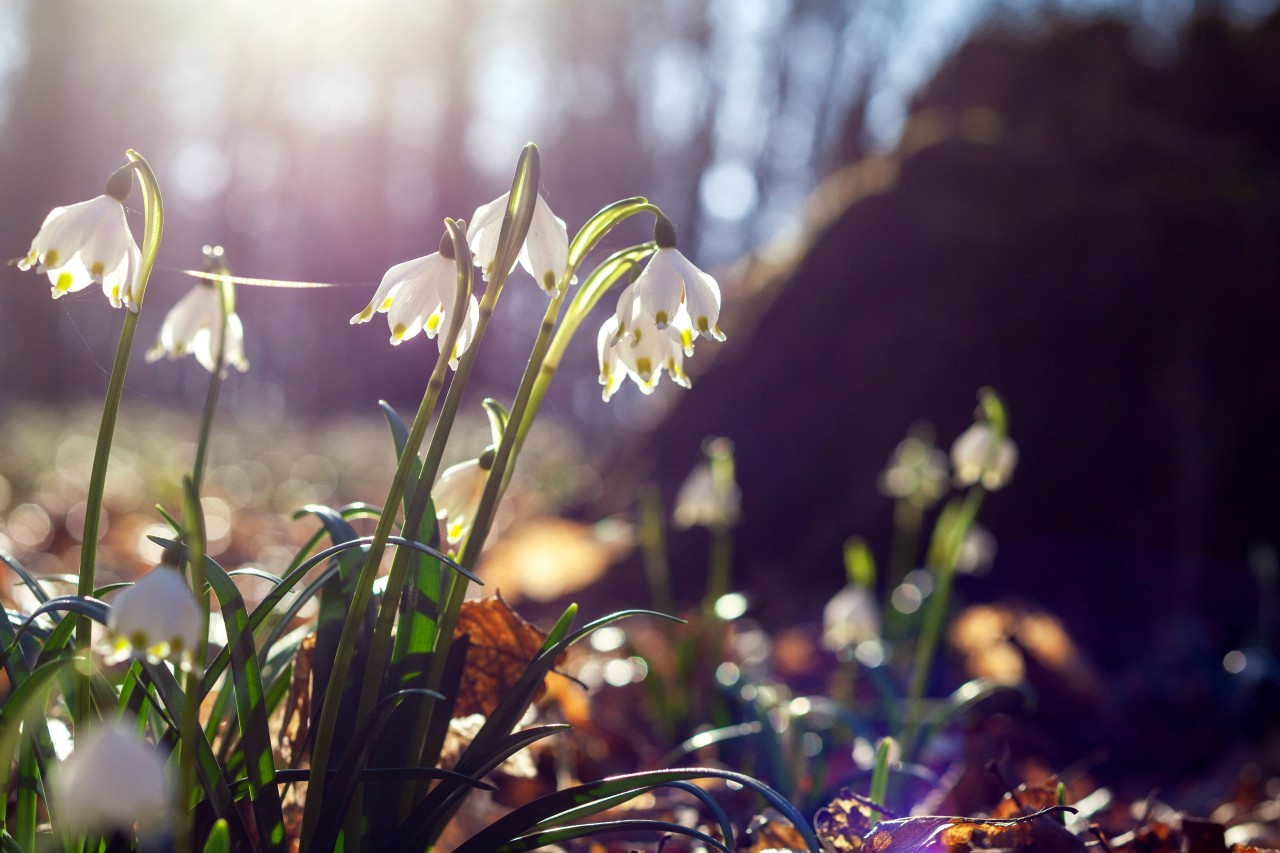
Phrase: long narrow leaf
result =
(28, 579)
(529, 816)
(251, 709)
(207, 767)
(350, 768)
(536, 840)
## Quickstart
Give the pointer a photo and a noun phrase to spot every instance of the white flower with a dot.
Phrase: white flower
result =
(642, 355)
(418, 296)
(977, 551)
(917, 472)
(703, 502)
(977, 457)
(194, 325)
(545, 253)
(851, 617)
(669, 287)
(157, 618)
(457, 496)
(85, 243)
(111, 780)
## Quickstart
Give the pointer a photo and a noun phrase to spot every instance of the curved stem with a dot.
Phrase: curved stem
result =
(944, 552)
(153, 227)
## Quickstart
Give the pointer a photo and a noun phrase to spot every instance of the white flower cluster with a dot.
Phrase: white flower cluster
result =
(658, 317)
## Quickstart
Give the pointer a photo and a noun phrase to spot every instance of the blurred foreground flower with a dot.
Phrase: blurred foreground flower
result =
(194, 326)
(89, 242)
(157, 618)
(111, 780)
(457, 495)
(418, 296)
(978, 456)
(545, 252)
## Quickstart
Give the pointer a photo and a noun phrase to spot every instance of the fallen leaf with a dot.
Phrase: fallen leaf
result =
(502, 646)
(297, 705)
(1029, 799)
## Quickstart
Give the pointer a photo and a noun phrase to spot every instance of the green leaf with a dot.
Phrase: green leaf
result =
(578, 798)
(208, 770)
(251, 709)
(219, 840)
(536, 840)
(348, 772)
(27, 578)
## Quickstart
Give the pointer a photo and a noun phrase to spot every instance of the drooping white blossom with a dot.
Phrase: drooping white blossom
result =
(457, 496)
(158, 618)
(917, 472)
(669, 286)
(978, 457)
(545, 253)
(642, 354)
(194, 325)
(703, 502)
(419, 296)
(111, 780)
(86, 243)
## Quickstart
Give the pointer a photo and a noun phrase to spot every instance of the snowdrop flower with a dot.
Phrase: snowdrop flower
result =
(642, 355)
(157, 618)
(418, 296)
(194, 326)
(89, 242)
(111, 780)
(978, 458)
(977, 551)
(545, 253)
(457, 495)
(917, 471)
(669, 287)
(709, 496)
(850, 618)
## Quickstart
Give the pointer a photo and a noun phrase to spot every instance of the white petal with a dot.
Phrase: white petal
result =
(483, 232)
(659, 288)
(158, 616)
(111, 779)
(702, 298)
(466, 334)
(546, 247)
(610, 375)
(392, 280)
(457, 497)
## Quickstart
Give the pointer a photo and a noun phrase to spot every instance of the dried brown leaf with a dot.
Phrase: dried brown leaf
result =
(502, 646)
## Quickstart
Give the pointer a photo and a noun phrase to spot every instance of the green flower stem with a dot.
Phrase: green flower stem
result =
(593, 289)
(226, 298)
(379, 649)
(369, 571)
(153, 227)
(493, 489)
(193, 527)
(943, 555)
(720, 566)
(515, 226)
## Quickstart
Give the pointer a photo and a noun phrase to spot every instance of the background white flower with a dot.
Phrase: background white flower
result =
(977, 457)
(194, 325)
(157, 618)
(111, 780)
(85, 243)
